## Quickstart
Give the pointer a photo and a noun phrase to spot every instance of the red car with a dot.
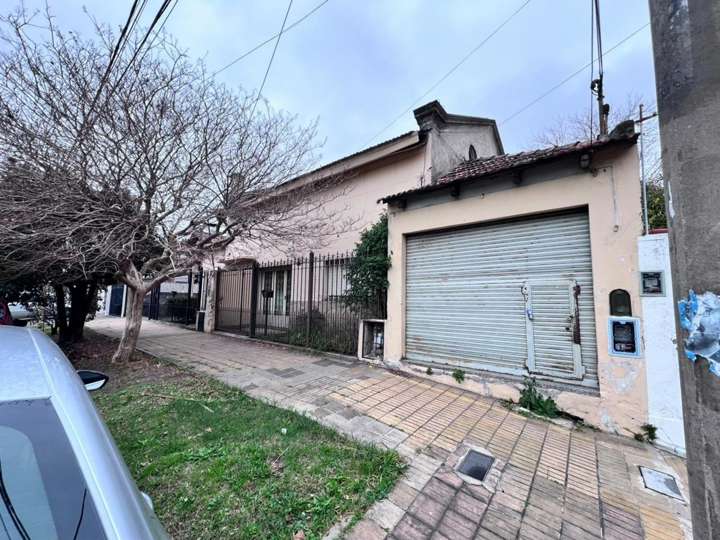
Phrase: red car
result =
(5, 317)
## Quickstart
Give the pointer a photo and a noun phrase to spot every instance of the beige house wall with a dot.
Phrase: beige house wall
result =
(354, 200)
(612, 195)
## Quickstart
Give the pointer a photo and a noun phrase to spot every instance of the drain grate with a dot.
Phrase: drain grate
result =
(661, 482)
(476, 465)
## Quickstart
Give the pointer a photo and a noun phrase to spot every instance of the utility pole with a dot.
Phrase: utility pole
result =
(596, 86)
(686, 46)
(643, 180)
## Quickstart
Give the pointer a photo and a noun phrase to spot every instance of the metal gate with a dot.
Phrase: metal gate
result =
(235, 307)
(300, 301)
(511, 297)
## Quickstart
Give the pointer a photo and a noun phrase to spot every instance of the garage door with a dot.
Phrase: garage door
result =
(511, 297)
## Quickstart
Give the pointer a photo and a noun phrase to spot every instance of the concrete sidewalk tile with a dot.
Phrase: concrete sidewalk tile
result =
(403, 494)
(410, 528)
(457, 527)
(427, 510)
(366, 529)
(439, 491)
(469, 507)
(386, 514)
(416, 478)
(449, 477)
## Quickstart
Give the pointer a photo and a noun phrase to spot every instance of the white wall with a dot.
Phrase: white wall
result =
(663, 376)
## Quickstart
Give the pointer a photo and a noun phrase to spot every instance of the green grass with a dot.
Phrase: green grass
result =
(217, 464)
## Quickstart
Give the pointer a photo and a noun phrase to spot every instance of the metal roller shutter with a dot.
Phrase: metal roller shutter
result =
(511, 297)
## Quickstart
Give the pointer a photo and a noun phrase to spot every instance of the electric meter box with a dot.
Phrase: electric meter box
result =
(624, 336)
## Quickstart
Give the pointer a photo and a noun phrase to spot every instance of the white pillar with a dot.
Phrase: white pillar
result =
(663, 373)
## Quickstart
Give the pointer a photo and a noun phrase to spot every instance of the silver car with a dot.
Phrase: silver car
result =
(61, 475)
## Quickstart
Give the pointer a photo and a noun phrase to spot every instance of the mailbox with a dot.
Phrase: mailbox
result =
(267, 294)
(624, 336)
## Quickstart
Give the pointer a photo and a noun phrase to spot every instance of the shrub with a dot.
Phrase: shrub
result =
(535, 402)
(429, 371)
(649, 434)
(458, 375)
(367, 271)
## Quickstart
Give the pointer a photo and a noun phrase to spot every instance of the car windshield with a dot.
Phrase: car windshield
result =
(42, 491)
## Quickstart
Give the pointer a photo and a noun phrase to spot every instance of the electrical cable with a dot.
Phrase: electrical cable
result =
(124, 32)
(572, 75)
(268, 40)
(272, 57)
(450, 72)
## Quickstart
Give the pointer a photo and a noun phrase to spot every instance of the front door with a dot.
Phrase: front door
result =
(553, 328)
(116, 300)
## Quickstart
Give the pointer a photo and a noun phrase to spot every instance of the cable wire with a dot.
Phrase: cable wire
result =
(268, 40)
(592, 63)
(122, 39)
(158, 16)
(450, 72)
(272, 57)
(572, 75)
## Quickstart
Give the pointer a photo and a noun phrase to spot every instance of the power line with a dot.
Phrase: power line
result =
(159, 30)
(158, 16)
(574, 74)
(272, 57)
(268, 40)
(451, 71)
(122, 39)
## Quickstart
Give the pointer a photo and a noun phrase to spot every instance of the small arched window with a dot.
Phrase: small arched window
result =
(620, 303)
(472, 153)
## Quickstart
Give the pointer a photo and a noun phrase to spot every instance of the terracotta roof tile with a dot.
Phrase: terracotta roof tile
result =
(478, 168)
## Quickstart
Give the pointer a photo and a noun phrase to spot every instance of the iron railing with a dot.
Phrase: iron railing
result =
(302, 301)
(176, 300)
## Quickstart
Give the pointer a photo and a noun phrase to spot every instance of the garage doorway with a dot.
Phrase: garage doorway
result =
(510, 297)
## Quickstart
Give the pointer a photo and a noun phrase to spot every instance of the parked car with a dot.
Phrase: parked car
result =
(5, 315)
(61, 474)
(21, 314)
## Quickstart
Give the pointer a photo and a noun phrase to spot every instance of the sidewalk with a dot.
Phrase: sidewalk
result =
(547, 481)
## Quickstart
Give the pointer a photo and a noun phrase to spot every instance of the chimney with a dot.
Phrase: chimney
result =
(431, 116)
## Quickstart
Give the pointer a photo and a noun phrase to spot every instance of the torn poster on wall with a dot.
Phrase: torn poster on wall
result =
(700, 318)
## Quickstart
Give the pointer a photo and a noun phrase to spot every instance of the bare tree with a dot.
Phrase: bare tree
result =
(145, 178)
(582, 126)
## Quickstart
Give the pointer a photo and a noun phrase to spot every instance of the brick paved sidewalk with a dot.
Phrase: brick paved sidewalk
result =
(547, 481)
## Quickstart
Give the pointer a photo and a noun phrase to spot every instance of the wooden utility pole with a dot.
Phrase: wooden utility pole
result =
(686, 45)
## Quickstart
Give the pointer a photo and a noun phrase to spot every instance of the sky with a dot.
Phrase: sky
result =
(356, 66)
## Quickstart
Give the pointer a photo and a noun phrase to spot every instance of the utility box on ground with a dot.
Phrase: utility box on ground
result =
(371, 339)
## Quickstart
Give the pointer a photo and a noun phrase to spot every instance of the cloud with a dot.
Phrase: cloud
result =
(357, 65)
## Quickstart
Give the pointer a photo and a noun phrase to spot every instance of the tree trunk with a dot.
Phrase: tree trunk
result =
(60, 322)
(133, 321)
(82, 299)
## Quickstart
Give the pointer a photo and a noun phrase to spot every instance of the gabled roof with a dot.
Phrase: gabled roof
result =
(396, 145)
(506, 163)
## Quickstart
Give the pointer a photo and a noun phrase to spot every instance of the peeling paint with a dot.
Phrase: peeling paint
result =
(700, 318)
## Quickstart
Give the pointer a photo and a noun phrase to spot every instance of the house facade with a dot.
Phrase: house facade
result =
(527, 265)
(286, 280)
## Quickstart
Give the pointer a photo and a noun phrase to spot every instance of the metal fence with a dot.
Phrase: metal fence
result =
(300, 301)
(176, 300)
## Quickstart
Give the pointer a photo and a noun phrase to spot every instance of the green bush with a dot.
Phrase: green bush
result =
(458, 375)
(649, 434)
(535, 402)
(367, 271)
